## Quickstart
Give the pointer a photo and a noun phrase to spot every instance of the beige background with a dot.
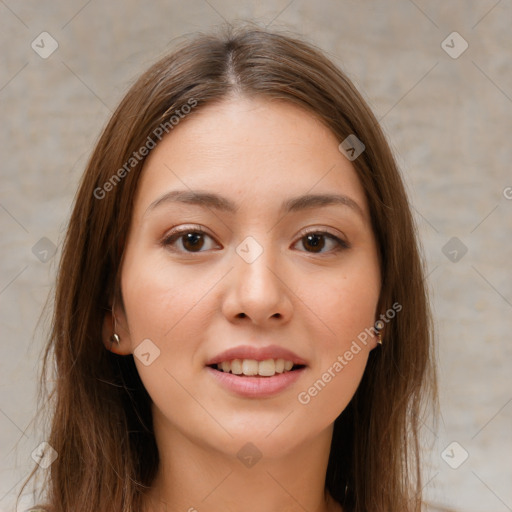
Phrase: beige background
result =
(449, 121)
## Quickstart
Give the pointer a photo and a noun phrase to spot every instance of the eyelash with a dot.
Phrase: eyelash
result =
(172, 237)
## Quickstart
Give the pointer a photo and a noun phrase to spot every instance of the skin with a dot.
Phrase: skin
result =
(256, 153)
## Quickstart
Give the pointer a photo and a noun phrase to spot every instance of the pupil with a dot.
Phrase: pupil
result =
(193, 239)
(316, 241)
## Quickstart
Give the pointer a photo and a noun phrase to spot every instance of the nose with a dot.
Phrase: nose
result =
(258, 292)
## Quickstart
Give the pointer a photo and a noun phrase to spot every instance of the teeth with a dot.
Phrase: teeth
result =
(236, 366)
(250, 367)
(279, 365)
(267, 368)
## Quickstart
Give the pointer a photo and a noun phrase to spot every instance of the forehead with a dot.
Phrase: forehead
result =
(253, 150)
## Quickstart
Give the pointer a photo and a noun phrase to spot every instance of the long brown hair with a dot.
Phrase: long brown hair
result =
(101, 425)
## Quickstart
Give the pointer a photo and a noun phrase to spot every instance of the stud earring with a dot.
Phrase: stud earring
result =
(378, 329)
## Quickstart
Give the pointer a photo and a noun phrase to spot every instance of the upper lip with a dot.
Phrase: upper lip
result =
(257, 353)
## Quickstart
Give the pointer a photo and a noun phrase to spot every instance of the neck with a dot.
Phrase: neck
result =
(194, 476)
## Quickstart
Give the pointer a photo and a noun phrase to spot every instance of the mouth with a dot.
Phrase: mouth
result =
(255, 368)
(256, 372)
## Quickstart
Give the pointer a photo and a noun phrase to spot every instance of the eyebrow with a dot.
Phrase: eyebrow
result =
(217, 202)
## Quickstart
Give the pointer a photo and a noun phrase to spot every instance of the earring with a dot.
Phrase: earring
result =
(379, 324)
(115, 338)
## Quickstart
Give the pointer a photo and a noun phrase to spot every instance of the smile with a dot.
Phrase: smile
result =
(252, 367)
(256, 372)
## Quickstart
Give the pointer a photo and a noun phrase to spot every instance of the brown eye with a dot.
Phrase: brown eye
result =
(189, 241)
(316, 242)
(193, 241)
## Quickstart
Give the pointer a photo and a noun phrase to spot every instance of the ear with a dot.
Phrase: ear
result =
(121, 329)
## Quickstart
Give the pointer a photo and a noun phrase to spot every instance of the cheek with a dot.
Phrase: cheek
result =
(164, 305)
(160, 301)
(346, 309)
(344, 303)
(340, 358)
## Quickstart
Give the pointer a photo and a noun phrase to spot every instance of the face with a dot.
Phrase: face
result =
(250, 251)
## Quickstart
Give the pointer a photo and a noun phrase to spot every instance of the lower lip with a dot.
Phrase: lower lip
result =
(256, 387)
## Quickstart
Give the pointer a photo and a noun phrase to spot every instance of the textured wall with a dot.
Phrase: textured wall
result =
(449, 119)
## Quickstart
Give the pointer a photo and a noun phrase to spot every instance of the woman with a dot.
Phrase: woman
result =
(240, 320)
